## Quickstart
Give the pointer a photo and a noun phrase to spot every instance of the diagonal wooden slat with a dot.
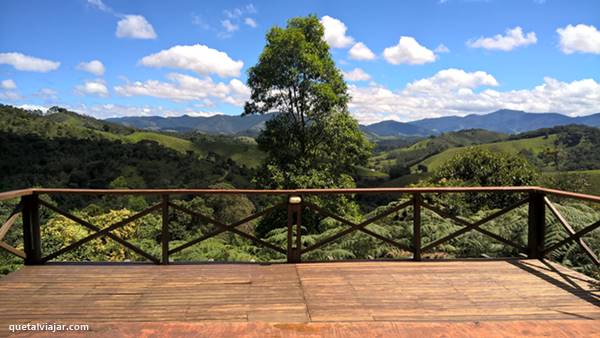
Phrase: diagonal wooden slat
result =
(100, 232)
(574, 237)
(473, 226)
(356, 227)
(224, 227)
(7, 225)
(14, 215)
(11, 220)
(571, 231)
(12, 250)
(366, 231)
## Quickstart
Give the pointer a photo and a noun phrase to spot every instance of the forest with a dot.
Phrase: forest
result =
(312, 143)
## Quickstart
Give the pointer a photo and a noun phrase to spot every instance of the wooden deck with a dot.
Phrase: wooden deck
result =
(466, 295)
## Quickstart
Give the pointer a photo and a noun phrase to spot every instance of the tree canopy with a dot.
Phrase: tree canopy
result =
(313, 141)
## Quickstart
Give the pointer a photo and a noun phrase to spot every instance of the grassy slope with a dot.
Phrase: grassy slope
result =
(385, 159)
(168, 141)
(535, 145)
(242, 150)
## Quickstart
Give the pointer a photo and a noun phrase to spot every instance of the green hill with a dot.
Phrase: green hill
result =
(419, 151)
(531, 145)
(59, 122)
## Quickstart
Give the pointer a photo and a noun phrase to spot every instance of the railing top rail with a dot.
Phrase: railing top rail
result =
(24, 192)
(8, 195)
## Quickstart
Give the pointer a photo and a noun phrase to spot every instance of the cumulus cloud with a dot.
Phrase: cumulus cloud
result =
(8, 84)
(199, 58)
(457, 92)
(441, 48)
(10, 95)
(408, 51)
(92, 87)
(580, 38)
(104, 111)
(188, 88)
(47, 93)
(95, 67)
(512, 39)
(135, 27)
(98, 4)
(335, 33)
(453, 78)
(250, 22)
(28, 63)
(357, 74)
(129, 26)
(360, 51)
(229, 26)
(233, 19)
(33, 107)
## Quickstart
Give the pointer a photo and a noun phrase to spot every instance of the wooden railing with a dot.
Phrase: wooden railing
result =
(297, 202)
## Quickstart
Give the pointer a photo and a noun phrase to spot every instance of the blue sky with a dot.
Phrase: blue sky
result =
(403, 60)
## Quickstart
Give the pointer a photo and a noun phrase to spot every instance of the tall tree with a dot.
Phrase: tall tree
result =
(313, 141)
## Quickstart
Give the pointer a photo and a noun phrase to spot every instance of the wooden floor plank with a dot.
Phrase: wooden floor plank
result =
(435, 292)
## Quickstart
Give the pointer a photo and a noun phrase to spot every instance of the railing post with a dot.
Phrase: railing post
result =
(31, 229)
(537, 225)
(294, 209)
(165, 229)
(417, 226)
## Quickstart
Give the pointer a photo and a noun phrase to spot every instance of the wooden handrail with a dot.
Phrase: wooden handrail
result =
(7, 195)
(537, 200)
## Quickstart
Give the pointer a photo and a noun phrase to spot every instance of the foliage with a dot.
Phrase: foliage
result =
(312, 141)
(477, 167)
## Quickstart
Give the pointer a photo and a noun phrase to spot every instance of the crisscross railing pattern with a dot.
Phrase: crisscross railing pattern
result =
(298, 202)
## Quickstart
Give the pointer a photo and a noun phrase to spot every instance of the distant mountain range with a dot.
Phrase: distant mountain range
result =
(217, 124)
(502, 121)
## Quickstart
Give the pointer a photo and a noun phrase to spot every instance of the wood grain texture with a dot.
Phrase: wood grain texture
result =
(435, 292)
(490, 329)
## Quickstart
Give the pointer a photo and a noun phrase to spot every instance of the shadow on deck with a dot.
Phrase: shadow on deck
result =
(464, 298)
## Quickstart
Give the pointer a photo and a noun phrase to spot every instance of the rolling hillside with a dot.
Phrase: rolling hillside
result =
(533, 145)
(59, 122)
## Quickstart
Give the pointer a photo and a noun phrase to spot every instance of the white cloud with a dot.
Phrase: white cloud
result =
(251, 9)
(188, 88)
(8, 84)
(92, 87)
(233, 20)
(514, 38)
(456, 92)
(234, 13)
(10, 95)
(199, 58)
(580, 38)
(32, 107)
(197, 20)
(335, 33)
(47, 93)
(104, 111)
(408, 51)
(357, 74)
(95, 67)
(100, 5)
(250, 22)
(229, 26)
(28, 63)
(361, 52)
(135, 27)
(441, 48)
(453, 78)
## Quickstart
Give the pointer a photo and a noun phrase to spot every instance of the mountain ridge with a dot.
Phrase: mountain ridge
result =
(501, 121)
